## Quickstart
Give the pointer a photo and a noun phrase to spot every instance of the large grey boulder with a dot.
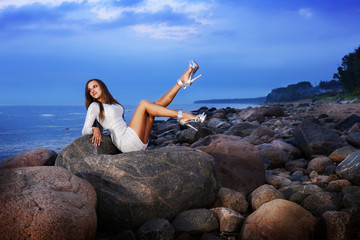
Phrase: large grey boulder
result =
(46, 202)
(314, 139)
(135, 187)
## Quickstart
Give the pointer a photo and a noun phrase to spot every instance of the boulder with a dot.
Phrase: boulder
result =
(277, 220)
(273, 156)
(231, 199)
(350, 168)
(348, 122)
(275, 111)
(250, 114)
(263, 194)
(320, 202)
(46, 202)
(354, 139)
(229, 220)
(189, 135)
(156, 229)
(241, 129)
(238, 164)
(296, 164)
(135, 187)
(288, 148)
(29, 158)
(263, 131)
(340, 154)
(319, 164)
(314, 139)
(196, 221)
(338, 225)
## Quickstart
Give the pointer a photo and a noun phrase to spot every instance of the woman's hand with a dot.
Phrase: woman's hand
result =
(96, 139)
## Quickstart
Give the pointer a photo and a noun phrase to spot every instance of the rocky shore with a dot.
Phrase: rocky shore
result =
(285, 171)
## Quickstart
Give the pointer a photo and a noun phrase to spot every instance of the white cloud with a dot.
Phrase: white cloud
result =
(20, 3)
(305, 12)
(162, 31)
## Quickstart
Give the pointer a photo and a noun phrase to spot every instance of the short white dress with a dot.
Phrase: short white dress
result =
(124, 137)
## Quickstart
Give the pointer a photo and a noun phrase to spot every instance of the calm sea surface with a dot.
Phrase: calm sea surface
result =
(54, 127)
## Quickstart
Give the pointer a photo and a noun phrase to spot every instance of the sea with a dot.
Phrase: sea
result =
(25, 127)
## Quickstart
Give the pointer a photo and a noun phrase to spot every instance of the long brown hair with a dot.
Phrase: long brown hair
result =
(109, 99)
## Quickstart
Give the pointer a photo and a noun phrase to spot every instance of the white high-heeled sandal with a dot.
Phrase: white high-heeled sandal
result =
(194, 67)
(200, 118)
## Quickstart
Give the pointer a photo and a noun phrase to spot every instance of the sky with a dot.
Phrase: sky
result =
(245, 48)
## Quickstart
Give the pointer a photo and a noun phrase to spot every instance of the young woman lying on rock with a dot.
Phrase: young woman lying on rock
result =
(103, 108)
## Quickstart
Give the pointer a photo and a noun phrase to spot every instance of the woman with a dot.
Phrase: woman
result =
(103, 108)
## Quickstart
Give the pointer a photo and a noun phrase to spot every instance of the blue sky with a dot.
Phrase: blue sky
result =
(50, 48)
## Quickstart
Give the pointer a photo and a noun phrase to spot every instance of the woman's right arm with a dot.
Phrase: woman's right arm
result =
(91, 116)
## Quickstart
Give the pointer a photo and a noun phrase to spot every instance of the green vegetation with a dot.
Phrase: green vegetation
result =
(345, 85)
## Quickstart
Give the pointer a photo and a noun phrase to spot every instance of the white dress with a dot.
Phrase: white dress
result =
(124, 137)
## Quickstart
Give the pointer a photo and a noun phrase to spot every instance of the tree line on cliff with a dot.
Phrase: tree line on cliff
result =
(346, 79)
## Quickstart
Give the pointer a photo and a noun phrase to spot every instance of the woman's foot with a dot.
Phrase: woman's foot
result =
(187, 118)
(187, 78)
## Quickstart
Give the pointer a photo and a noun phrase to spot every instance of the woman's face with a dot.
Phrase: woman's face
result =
(95, 90)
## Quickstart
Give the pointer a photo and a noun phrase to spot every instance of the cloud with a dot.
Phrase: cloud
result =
(21, 3)
(305, 12)
(162, 31)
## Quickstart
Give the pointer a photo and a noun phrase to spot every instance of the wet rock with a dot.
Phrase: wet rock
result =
(239, 165)
(46, 202)
(279, 219)
(29, 158)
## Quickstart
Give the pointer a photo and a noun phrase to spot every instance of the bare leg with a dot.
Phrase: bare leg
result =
(144, 114)
(143, 119)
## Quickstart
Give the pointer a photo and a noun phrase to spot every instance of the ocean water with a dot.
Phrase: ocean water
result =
(54, 127)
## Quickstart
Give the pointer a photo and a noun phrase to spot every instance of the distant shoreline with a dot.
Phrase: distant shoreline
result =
(257, 100)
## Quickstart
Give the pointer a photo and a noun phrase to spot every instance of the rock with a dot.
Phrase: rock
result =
(138, 186)
(274, 156)
(354, 139)
(196, 221)
(263, 194)
(306, 190)
(313, 139)
(229, 198)
(241, 129)
(277, 220)
(217, 124)
(219, 114)
(355, 128)
(350, 168)
(263, 131)
(189, 135)
(293, 164)
(156, 229)
(342, 183)
(239, 165)
(340, 154)
(274, 111)
(250, 114)
(229, 220)
(288, 148)
(46, 202)
(276, 180)
(338, 225)
(320, 202)
(348, 122)
(29, 158)
(351, 198)
(319, 164)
